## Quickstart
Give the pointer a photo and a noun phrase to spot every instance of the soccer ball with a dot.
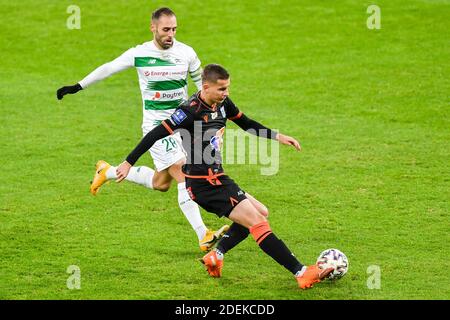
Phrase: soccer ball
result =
(336, 259)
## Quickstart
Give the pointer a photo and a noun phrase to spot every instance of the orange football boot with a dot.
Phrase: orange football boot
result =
(100, 176)
(313, 274)
(213, 264)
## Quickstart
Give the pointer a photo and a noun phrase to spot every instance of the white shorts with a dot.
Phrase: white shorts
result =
(166, 151)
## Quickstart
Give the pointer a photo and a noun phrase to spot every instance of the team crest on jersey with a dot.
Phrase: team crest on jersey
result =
(178, 116)
(216, 141)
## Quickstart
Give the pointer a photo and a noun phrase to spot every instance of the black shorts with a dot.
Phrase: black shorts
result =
(219, 199)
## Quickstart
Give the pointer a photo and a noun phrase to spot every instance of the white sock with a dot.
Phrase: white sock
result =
(111, 173)
(219, 254)
(301, 272)
(140, 175)
(191, 211)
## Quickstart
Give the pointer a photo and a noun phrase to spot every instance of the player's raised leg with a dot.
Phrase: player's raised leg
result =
(237, 232)
(246, 215)
(165, 154)
(161, 181)
(262, 209)
(104, 172)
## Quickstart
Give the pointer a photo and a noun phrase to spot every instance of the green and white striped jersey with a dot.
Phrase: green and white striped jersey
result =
(162, 76)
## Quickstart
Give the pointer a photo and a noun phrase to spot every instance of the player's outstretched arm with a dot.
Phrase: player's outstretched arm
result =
(146, 143)
(258, 129)
(101, 73)
(287, 140)
(61, 92)
(106, 70)
(180, 119)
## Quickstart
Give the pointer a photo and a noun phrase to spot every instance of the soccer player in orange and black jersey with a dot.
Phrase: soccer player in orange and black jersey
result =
(201, 121)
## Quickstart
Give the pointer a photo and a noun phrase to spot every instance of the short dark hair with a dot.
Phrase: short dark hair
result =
(162, 12)
(214, 72)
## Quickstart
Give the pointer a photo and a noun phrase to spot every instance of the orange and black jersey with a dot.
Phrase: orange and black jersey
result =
(201, 126)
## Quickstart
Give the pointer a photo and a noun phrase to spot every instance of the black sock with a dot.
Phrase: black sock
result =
(276, 248)
(233, 237)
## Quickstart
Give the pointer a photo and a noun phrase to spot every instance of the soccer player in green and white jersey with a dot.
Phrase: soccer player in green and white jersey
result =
(162, 66)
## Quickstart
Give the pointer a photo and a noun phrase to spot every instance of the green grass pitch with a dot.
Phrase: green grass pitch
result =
(370, 108)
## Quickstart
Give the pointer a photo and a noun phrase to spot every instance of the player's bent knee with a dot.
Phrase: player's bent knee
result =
(175, 171)
(263, 210)
(246, 214)
(257, 218)
(162, 187)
